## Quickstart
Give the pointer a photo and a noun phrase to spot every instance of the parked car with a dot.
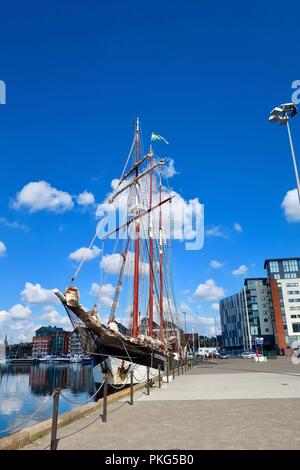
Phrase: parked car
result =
(249, 355)
(214, 355)
(223, 356)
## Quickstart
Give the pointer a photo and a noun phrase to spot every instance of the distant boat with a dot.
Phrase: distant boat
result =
(59, 359)
(47, 358)
(54, 359)
(76, 358)
(23, 360)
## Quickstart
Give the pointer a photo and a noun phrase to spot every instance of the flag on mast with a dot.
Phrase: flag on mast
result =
(155, 136)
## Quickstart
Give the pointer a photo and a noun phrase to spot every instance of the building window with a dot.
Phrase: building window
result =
(290, 275)
(296, 327)
(290, 265)
(276, 276)
(274, 266)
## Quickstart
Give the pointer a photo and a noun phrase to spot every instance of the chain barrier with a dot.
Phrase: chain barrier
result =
(26, 420)
(85, 402)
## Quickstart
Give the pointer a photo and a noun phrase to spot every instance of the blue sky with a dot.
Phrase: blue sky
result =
(204, 75)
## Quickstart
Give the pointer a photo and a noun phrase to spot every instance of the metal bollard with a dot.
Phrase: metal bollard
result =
(159, 377)
(148, 381)
(131, 388)
(173, 370)
(167, 372)
(104, 414)
(182, 367)
(53, 445)
(185, 366)
(178, 369)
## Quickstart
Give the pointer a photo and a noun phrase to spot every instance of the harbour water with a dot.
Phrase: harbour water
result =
(24, 387)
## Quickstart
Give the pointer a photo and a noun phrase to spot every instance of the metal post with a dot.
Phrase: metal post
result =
(159, 377)
(185, 366)
(167, 372)
(104, 414)
(53, 445)
(294, 159)
(173, 370)
(131, 387)
(148, 381)
(178, 368)
(181, 366)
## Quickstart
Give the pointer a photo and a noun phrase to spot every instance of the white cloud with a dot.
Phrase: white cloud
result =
(3, 249)
(13, 225)
(88, 253)
(209, 291)
(216, 231)
(40, 195)
(185, 292)
(184, 307)
(106, 289)
(215, 264)
(86, 198)
(291, 206)
(237, 227)
(207, 326)
(215, 306)
(17, 312)
(168, 170)
(52, 317)
(35, 294)
(112, 263)
(104, 295)
(179, 217)
(240, 270)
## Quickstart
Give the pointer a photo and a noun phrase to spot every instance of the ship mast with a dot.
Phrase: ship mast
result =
(137, 245)
(150, 251)
(161, 298)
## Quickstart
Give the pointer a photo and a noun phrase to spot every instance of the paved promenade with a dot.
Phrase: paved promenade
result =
(229, 404)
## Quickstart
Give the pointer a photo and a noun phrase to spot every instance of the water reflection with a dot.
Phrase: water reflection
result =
(22, 388)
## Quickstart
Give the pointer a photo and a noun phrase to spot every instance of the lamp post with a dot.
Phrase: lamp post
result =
(282, 114)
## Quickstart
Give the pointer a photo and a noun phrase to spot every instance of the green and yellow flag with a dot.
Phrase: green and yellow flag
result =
(155, 136)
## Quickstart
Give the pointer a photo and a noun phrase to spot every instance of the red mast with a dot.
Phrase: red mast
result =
(161, 298)
(137, 247)
(151, 253)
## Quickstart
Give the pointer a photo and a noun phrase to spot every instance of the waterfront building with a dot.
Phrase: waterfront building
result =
(234, 324)
(75, 344)
(50, 340)
(248, 315)
(284, 280)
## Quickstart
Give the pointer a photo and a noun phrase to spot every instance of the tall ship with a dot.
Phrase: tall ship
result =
(142, 325)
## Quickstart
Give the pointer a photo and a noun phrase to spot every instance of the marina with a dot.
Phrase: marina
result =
(24, 386)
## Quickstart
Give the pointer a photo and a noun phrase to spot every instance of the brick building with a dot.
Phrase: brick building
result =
(50, 340)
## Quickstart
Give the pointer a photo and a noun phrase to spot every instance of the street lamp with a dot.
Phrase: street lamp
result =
(282, 114)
